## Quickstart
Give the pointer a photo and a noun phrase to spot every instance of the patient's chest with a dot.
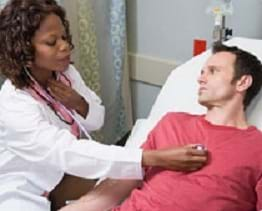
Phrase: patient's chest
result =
(232, 169)
(228, 180)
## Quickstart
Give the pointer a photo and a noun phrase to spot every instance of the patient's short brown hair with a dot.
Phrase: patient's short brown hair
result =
(245, 64)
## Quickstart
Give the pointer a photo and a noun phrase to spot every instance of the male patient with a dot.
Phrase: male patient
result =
(231, 181)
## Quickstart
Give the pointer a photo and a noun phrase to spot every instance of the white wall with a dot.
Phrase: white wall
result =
(143, 97)
(165, 29)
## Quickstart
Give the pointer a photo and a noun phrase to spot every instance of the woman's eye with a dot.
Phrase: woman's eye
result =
(64, 37)
(51, 43)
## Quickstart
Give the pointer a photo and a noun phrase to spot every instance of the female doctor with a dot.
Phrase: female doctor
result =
(44, 108)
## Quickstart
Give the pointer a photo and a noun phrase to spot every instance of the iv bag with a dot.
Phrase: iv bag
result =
(220, 7)
(2, 3)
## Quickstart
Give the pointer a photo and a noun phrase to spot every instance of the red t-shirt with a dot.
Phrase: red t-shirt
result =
(230, 182)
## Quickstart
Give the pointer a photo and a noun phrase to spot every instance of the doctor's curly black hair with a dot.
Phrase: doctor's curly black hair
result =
(19, 20)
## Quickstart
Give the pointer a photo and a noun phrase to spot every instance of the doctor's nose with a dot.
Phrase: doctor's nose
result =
(64, 46)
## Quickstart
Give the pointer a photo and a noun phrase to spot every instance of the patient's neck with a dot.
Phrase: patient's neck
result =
(227, 115)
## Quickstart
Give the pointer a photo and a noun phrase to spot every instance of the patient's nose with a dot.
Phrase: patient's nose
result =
(202, 78)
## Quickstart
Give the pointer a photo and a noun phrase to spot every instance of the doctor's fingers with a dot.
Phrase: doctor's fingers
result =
(192, 150)
(57, 94)
(197, 159)
(194, 162)
(188, 166)
(55, 83)
(194, 167)
(62, 91)
(59, 89)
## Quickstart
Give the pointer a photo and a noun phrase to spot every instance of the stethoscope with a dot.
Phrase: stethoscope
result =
(50, 98)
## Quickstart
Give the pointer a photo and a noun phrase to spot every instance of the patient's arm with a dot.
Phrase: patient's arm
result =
(110, 192)
(106, 195)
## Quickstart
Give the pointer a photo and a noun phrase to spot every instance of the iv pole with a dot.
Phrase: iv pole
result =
(221, 8)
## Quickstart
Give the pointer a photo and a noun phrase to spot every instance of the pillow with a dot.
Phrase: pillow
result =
(179, 93)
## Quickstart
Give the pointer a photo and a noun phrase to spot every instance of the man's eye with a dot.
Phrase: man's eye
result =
(212, 70)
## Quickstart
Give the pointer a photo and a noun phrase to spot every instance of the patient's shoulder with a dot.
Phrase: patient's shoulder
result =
(179, 116)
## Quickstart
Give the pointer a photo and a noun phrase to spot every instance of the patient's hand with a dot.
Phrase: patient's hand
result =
(186, 158)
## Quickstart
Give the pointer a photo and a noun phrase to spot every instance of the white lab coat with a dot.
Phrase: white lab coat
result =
(36, 148)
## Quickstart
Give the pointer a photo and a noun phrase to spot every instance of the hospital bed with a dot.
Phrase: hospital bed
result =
(179, 93)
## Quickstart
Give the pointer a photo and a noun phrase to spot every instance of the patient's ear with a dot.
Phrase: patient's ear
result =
(244, 83)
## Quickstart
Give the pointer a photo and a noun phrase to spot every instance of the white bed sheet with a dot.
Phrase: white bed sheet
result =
(179, 93)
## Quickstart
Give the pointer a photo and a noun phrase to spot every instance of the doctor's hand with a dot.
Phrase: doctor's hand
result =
(186, 158)
(68, 97)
